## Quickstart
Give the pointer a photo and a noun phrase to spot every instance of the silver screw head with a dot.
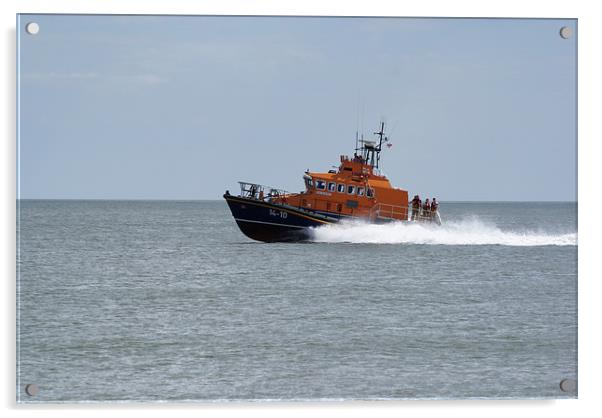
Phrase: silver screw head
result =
(31, 389)
(32, 28)
(568, 385)
(566, 32)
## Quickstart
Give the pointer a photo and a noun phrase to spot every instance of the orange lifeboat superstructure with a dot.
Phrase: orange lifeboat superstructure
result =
(356, 190)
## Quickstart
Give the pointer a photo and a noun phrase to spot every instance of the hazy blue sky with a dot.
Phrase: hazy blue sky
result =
(184, 107)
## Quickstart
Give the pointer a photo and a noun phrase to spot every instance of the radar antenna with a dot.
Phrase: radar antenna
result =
(370, 150)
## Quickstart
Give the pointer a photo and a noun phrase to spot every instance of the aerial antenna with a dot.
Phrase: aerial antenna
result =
(357, 117)
(380, 134)
(362, 119)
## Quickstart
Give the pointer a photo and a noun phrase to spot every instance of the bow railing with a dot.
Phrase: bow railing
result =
(260, 191)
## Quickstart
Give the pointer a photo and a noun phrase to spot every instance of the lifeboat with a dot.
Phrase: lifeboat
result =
(356, 190)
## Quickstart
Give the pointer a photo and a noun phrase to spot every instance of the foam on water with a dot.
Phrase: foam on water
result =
(464, 232)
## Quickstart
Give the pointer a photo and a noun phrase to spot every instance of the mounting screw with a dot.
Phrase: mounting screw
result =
(565, 32)
(568, 385)
(32, 28)
(31, 389)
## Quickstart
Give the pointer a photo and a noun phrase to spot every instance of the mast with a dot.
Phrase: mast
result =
(370, 150)
(381, 134)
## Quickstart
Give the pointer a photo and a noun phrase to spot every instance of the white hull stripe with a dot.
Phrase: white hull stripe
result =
(270, 223)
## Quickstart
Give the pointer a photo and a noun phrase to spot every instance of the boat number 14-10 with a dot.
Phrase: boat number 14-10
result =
(278, 213)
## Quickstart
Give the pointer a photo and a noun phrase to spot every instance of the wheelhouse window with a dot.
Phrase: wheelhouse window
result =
(370, 192)
(350, 189)
(332, 187)
(341, 188)
(320, 185)
(309, 183)
(360, 191)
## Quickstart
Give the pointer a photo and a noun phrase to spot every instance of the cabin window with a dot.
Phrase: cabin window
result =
(309, 183)
(320, 185)
(350, 189)
(360, 191)
(332, 187)
(341, 188)
(370, 192)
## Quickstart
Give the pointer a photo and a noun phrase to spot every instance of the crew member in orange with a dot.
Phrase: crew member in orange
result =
(434, 206)
(426, 210)
(416, 202)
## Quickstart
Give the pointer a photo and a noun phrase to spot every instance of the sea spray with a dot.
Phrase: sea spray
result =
(471, 231)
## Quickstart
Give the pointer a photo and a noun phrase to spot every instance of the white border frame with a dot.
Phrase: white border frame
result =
(589, 70)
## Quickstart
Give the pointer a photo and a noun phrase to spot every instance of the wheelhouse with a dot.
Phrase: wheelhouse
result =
(355, 188)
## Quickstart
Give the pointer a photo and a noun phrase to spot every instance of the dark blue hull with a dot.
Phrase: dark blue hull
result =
(268, 222)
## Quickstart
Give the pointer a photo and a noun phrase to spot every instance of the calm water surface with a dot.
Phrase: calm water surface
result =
(152, 300)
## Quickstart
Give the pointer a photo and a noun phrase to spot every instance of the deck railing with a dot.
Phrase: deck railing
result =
(394, 212)
(260, 191)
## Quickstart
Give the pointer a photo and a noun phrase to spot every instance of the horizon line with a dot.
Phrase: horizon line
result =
(219, 200)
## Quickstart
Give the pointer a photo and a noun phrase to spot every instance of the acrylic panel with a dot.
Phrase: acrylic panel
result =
(216, 208)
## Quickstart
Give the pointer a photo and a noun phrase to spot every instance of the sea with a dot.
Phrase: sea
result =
(152, 301)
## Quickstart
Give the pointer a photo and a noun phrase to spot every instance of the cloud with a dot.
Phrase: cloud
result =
(146, 79)
(59, 76)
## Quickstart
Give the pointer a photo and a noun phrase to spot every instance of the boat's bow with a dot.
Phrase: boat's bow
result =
(264, 220)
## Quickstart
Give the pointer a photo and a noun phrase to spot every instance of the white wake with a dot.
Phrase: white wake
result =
(464, 232)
